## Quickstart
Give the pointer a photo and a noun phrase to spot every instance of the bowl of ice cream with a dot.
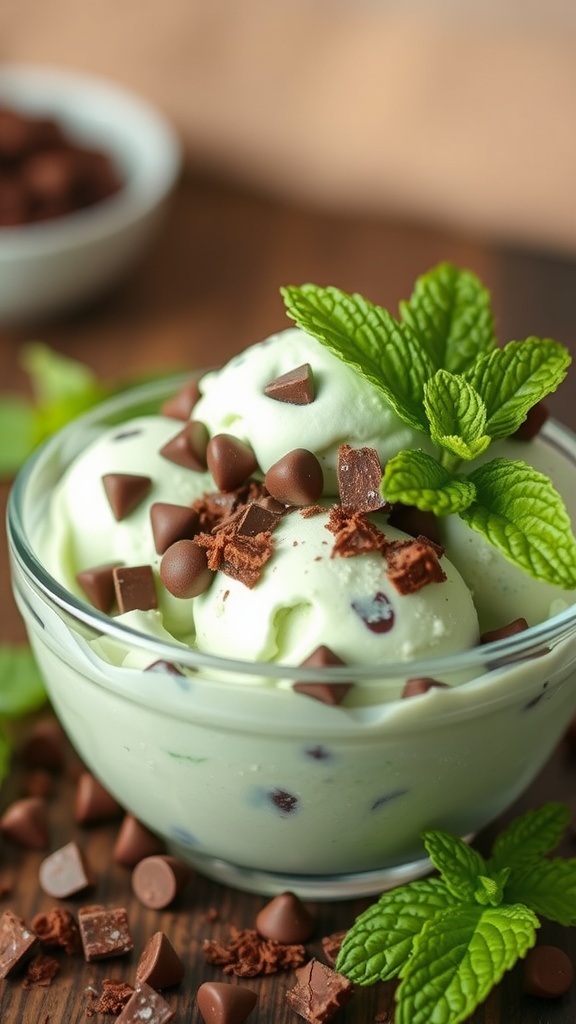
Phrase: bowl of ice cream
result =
(279, 671)
(86, 168)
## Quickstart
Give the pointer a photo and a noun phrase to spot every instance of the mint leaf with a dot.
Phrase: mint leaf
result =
(530, 836)
(457, 415)
(459, 864)
(381, 938)
(449, 313)
(519, 511)
(21, 687)
(415, 478)
(512, 379)
(382, 350)
(490, 891)
(63, 388)
(548, 887)
(17, 433)
(457, 959)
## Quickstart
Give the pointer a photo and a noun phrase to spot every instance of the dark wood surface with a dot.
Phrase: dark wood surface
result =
(208, 287)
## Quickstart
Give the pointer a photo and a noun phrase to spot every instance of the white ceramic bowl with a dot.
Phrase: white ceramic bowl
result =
(50, 267)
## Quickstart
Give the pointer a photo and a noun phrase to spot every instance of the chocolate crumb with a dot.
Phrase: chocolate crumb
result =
(41, 970)
(354, 533)
(331, 945)
(413, 564)
(115, 995)
(247, 954)
(57, 927)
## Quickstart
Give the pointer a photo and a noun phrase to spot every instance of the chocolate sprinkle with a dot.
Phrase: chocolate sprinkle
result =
(359, 476)
(125, 491)
(295, 387)
(134, 587)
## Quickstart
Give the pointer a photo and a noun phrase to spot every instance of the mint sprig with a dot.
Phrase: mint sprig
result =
(439, 368)
(451, 938)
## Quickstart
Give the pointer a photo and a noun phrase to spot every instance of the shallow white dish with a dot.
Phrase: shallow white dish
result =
(55, 265)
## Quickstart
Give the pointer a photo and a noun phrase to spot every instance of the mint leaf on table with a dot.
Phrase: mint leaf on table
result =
(451, 939)
(456, 414)
(415, 478)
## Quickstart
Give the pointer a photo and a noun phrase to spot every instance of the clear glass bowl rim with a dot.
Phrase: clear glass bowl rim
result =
(129, 402)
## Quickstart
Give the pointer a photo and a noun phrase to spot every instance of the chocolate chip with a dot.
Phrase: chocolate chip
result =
(104, 932)
(93, 803)
(319, 992)
(134, 588)
(548, 972)
(25, 822)
(257, 517)
(327, 693)
(98, 585)
(188, 447)
(284, 801)
(412, 565)
(180, 405)
(125, 491)
(230, 460)
(171, 523)
(184, 569)
(285, 919)
(134, 841)
(146, 1005)
(359, 476)
(64, 872)
(44, 746)
(159, 965)
(220, 1003)
(296, 479)
(295, 387)
(17, 943)
(532, 425)
(510, 629)
(157, 880)
(417, 686)
(376, 612)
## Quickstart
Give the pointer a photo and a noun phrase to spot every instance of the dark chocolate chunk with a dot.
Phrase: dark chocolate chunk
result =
(417, 686)
(146, 1005)
(171, 523)
(284, 801)
(510, 629)
(134, 587)
(93, 803)
(221, 1003)
(257, 517)
(411, 565)
(354, 534)
(159, 965)
(376, 612)
(296, 479)
(285, 919)
(125, 491)
(104, 932)
(64, 872)
(180, 405)
(230, 460)
(25, 822)
(188, 447)
(134, 841)
(17, 943)
(157, 880)
(319, 992)
(44, 746)
(295, 387)
(532, 425)
(184, 569)
(359, 476)
(548, 972)
(98, 585)
(327, 693)
(239, 556)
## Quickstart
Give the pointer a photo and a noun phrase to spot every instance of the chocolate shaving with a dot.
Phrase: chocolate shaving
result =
(354, 533)
(247, 954)
(413, 564)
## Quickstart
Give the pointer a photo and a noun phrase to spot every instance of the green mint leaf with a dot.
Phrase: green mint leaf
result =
(5, 754)
(490, 891)
(458, 957)
(21, 687)
(17, 433)
(457, 415)
(459, 864)
(449, 312)
(381, 938)
(415, 478)
(382, 350)
(512, 379)
(530, 836)
(519, 511)
(548, 887)
(63, 388)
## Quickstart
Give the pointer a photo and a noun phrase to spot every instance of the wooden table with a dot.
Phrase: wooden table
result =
(207, 288)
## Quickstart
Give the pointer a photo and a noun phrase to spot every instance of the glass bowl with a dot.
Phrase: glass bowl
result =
(259, 786)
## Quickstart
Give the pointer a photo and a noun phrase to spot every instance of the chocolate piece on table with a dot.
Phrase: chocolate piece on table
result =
(134, 841)
(414, 521)
(319, 992)
(57, 927)
(44, 746)
(295, 387)
(171, 523)
(98, 585)
(125, 491)
(93, 802)
(184, 569)
(417, 686)
(17, 943)
(180, 405)
(510, 629)
(327, 693)
(25, 822)
(135, 588)
(296, 478)
(285, 919)
(359, 476)
(104, 932)
(548, 972)
(188, 447)
(411, 565)
(230, 460)
(157, 880)
(64, 872)
(159, 965)
(146, 1005)
(221, 1003)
